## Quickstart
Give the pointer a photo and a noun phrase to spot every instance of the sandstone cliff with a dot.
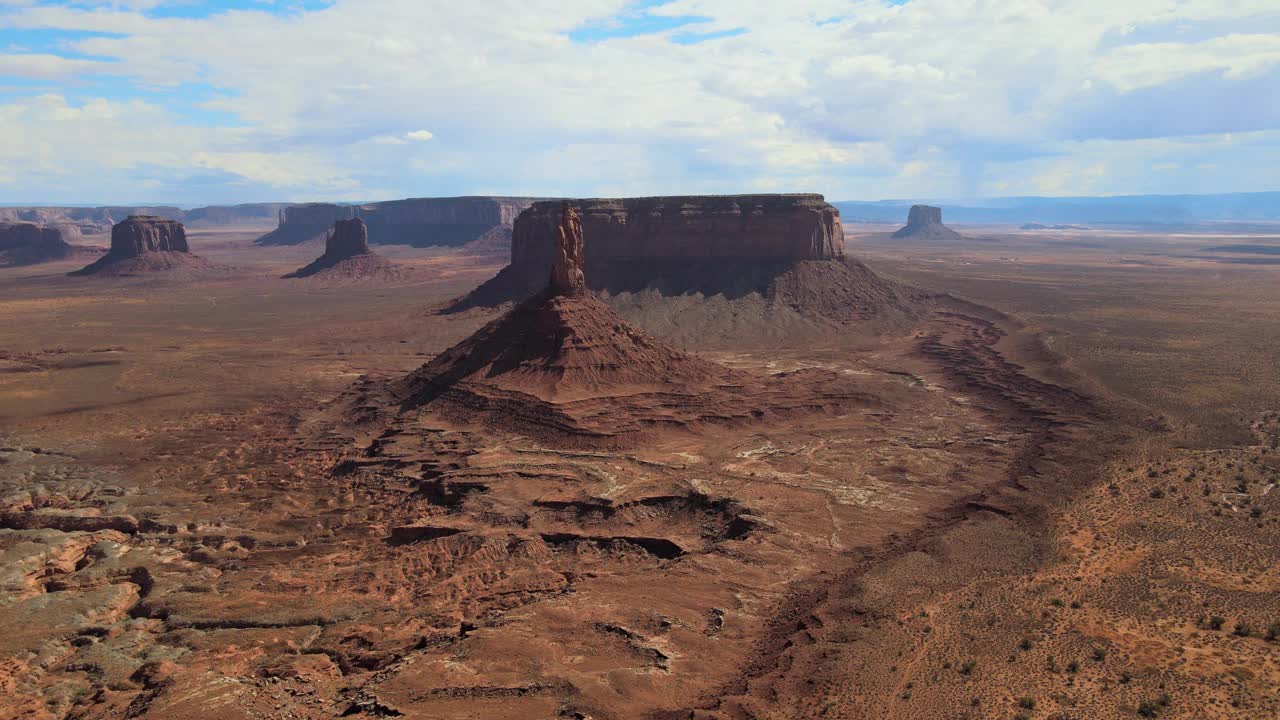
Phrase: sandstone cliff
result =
(145, 243)
(419, 222)
(716, 227)
(28, 243)
(714, 245)
(924, 222)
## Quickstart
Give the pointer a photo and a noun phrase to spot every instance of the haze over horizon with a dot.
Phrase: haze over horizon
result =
(197, 102)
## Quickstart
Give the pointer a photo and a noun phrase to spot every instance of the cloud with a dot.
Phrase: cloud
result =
(854, 98)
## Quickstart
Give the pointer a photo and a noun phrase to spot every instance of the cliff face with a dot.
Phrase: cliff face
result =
(420, 222)
(924, 222)
(727, 227)
(348, 239)
(730, 245)
(28, 243)
(141, 234)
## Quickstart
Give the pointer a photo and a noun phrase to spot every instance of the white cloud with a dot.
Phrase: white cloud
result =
(848, 98)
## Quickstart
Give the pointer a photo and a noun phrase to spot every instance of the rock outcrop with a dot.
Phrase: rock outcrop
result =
(347, 256)
(763, 252)
(419, 222)
(566, 269)
(144, 244)
(29, 243)
(559, 345)
(924, 222)
(141, 234)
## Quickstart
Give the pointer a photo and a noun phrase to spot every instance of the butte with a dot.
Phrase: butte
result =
(711, 270)
(145, 244)
(924, 222)
(347, 256)
(562, 365)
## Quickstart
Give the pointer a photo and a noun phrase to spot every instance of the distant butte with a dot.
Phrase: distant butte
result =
(144, 244)
(562, 364)
(29, 243)
(347, 255)
(924, 222)
(777, 252)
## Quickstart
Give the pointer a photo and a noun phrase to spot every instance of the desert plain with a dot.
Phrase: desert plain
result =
(1018, 474)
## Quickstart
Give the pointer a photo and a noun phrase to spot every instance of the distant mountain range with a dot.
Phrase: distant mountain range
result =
(1116, 210)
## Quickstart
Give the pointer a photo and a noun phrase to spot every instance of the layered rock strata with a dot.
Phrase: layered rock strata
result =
(143, 244)
(789, 249)
(28, 243)
(419, 222)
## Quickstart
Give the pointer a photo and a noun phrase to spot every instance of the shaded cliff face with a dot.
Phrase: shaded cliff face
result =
(730, 245)
(924, 222)
(141, 234)
(348, 239)
(728, 227)
(145, 244)
(419, 222)
(28, 243)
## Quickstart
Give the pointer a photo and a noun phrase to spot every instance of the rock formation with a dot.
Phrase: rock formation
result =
(924, 222)
(419, 222)
(28, 243)
(761, 259)
(141, 234)
(347, 256)
(566, 269)
(559, 345)
(143, 244)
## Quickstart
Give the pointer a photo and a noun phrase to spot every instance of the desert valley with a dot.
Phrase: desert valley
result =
(670, 457)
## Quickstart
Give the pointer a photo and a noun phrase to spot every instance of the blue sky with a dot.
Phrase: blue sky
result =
(196, 102)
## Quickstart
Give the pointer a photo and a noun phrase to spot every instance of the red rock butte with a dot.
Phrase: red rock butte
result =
(713, 244)
(347, 256)
(143, 244)
(924, 222)
(28, 243)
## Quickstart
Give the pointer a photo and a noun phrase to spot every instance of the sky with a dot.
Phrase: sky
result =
(195, 102)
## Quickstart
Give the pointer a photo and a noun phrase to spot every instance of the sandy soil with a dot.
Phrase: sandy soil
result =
(195, 525)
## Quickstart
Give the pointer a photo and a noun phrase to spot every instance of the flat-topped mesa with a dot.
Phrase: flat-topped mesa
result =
(348, 238)
(145, 244)
(29, 243)
(925, 222)
(138, 235)
(419, 222)
(566, 271)
(693, 227)
(730, 245)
